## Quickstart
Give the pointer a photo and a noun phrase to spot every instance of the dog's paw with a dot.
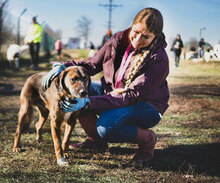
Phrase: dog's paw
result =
(66, 155)
(62, 162)
(39, 140)
(16, 149)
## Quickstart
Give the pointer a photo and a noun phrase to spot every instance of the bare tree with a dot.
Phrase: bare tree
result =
(58, 33)
(2, 5)
(83, 28)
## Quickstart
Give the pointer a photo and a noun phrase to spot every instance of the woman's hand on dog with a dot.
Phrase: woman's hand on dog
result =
(74, 104)
(50, 76)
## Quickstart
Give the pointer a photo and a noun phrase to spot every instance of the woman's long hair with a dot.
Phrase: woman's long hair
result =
(153, 21)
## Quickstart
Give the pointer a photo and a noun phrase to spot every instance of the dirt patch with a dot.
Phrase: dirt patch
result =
(213, 90)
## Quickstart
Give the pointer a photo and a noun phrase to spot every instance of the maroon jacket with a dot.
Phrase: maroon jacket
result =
(149, 84)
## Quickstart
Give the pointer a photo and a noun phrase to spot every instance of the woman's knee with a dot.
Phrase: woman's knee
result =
(103, 131)
(107, 132)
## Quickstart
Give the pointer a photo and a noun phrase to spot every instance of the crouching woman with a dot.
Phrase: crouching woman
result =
(133, 93)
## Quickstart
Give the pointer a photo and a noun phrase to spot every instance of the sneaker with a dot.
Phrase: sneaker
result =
(176, 64)
(31, 66)
(34, 67)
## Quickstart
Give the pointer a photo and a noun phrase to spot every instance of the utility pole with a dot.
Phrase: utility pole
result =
(18, 29)
(200, 32)
(110, 6)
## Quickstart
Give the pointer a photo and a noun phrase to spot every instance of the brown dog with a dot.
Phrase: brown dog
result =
(73, 82)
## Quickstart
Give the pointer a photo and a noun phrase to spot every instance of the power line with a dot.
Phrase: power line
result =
(110, 7)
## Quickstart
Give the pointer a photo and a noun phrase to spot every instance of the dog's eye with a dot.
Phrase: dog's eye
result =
(75, 79)
(85, 78)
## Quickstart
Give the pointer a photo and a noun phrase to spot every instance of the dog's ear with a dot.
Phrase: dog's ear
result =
(57, 82)
(89, 78)
(60, 80)
(62, 86)
(85, 72)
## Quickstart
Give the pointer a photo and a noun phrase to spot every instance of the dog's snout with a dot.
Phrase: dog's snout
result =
(83, 93)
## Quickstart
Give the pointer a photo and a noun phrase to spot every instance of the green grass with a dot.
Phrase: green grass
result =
(83, 53)
(187, 149)
(195, 73)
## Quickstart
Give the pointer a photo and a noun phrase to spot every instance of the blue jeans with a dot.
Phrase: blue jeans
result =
(201, 52)
(177, 60)
(121, 124)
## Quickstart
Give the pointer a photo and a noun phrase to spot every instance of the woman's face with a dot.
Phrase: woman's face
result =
(140, 37)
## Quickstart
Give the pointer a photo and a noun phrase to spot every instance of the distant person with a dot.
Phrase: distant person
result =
(133, 93)
(177, 49)
(201, 48)
(92, 49)
(58, 47)
(107, 36)
(33, 39)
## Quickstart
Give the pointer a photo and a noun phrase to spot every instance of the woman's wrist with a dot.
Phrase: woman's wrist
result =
(87, 104)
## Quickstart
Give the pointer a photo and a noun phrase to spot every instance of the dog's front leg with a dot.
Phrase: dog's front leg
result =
(68, 131)
(55, 129)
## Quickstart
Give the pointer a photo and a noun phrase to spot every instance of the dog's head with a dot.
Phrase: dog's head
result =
(74, 82)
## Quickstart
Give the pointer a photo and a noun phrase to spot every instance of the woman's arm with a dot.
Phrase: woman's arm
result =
(141, 88)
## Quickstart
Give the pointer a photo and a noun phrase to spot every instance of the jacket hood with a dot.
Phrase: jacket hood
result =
(161, 42)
